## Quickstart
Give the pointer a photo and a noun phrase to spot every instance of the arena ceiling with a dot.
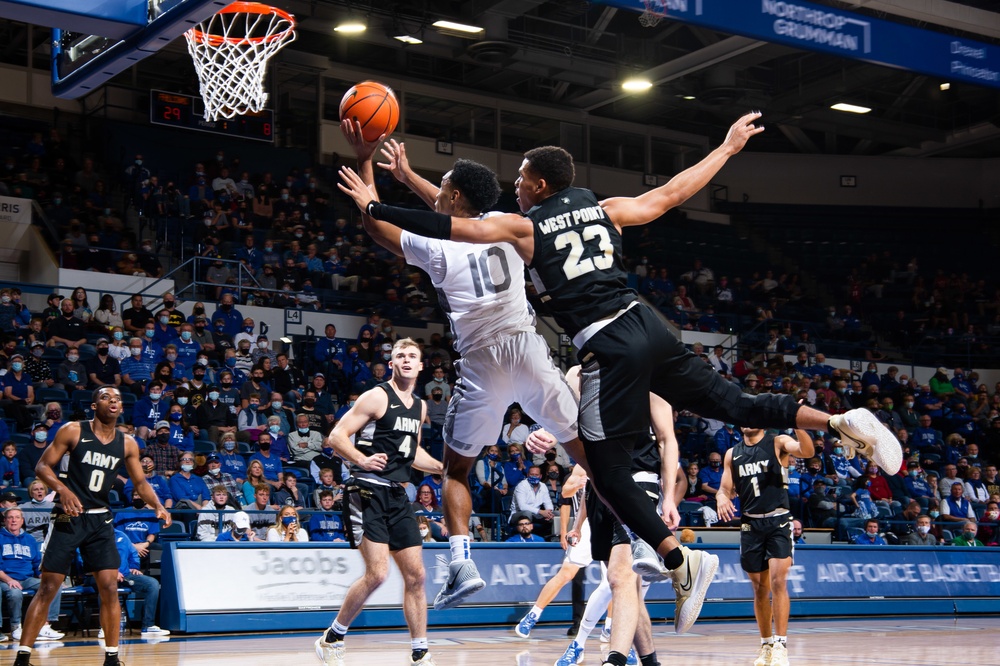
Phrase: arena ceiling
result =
(574, 54)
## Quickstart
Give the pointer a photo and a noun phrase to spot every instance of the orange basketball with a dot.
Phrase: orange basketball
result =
(374, 105)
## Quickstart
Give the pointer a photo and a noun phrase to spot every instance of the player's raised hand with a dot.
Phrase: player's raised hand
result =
(398, 165)
(352, 185)
(741, 131)
(375, 462)
(352, 132)
(539, 441)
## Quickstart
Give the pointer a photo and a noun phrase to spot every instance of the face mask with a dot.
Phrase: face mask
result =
(838, 450)
(41, 435)
(303, 431)
(16, 366)
(386, 356)
(275, 429)
(933, 514)
(492, 456)
(136, 351)
(231, 362)
(914, 473)
(969, 536)
(923, 529)
(992, 515)
(387, 329)
(284, 196)
(424, 531)
(182, 401)
(436, 397)
(213, 395)
(534, 480)
(353, 354)
(254, 406)
(287, 520)
(226, 385)
(151, 333)
(276, 404)
(163, 437)
(309, 402)
(54, 415)
(515, 456)
(550, 456)
(715, 464)
(171, 357)
(229, 445)
(248, 329)
(118, 335)
(262, 345)
(38, 352)
(187, 467)
(321, 238)
(328, 451)
(164, 320)
(176, 416)
(909, 404)
(215, 472)
(155, 396)
(203, 362)
(107, 211)
(73, 358)
(186, 335)
(553, 474)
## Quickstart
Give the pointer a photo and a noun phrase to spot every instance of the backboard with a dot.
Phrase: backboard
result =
(106, 37)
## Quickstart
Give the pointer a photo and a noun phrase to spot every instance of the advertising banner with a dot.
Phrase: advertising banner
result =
(15, 210)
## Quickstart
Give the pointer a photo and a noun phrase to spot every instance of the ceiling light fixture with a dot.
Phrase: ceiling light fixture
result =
(945, 86)
(408, 39)
(689, 97)
(351, 26)
(451, 26)
(637, 85)
(850, 108)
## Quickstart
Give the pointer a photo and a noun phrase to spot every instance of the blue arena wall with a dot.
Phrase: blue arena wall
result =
(274, 587)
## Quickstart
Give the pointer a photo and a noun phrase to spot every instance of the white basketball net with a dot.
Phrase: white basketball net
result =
(654, 12)
(230, 51)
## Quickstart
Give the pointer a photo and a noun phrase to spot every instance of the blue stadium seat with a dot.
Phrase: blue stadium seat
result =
(52, 394)
(204, 446)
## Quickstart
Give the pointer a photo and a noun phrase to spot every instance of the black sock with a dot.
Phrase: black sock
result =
(616, 658)
(649, 660)
(333, 637)
(417, 655)
(674, 559)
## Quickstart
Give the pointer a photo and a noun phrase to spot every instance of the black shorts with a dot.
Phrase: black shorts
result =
(636, 354)
(763, 539)
(92, 533)
(381, 514)
(605, 530)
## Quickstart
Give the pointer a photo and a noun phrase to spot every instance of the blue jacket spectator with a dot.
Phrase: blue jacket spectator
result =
(139, 525)
(916, 486)
(925, 437)
(185, 486)
(10, 468)
(329, 348)
(250, 255)
(727, 437)
(147, 412)
(21, 559)
(187, 353)
(184, 441)
(137, 369)
(712, 475)
(271, 464)
(160, 486)
(232, 462)
(232, 318)
(870, 539)
(326, 527)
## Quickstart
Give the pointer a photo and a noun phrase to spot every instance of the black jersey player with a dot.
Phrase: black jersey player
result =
(81, 517)
(385, 422)
(756, 469)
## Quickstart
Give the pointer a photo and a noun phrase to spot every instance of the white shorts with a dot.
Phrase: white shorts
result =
(580, 553)
(516, 369)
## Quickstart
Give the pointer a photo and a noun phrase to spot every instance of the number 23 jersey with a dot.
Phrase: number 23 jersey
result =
(480, 287)
(395, 434)
(577, 266)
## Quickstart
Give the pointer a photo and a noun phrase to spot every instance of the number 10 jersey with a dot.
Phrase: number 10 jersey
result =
(577, 262)
(480, 287)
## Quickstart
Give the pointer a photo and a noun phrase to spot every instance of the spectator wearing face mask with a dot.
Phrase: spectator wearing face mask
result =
(711, 477)
(251, 420)
(187, 489)
(216, 476)
(214, 417)
(150, 409)
(37, 369)
(269, 461)
(71, 374)
(871, 536)
(30, 454)
(326, 459)
(532, 500)
(921, 535)
(160, 484)
(304, 443)
(968, 536)
(240, 529)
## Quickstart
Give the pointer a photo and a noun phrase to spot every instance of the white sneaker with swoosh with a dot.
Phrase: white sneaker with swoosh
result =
(691, 581)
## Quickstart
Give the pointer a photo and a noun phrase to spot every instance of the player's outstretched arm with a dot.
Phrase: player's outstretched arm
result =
(643, 209)
(45, 470)
(492, 229)
(399, 166)
(142, 487)
(800, 446)
(382, 233)
(723, 499)
(371, 405)
(661, 417)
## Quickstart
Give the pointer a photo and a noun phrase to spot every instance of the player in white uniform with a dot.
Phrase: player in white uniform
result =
(481, 288)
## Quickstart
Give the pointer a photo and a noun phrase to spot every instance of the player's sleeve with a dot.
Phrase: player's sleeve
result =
(425, 253)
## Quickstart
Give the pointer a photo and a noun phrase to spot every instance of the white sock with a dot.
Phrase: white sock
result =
(418, 643)
(339, 628)
(781, 639)
(460, 547)
(596, 605)
(537, 611)
(767, 641)
(111, 650)
(25, 649)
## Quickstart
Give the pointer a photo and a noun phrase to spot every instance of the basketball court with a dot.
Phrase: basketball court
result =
(924, 642)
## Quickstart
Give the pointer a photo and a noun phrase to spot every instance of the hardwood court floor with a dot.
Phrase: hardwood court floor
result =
(889, 642)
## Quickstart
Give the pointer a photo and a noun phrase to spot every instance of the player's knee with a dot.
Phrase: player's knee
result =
(415, 579)
(621, 575)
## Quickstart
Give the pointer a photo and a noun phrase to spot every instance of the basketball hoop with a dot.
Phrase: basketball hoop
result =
(654, 12)
(230, 52)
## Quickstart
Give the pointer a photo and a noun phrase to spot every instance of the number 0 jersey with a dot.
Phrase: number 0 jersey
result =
(395, 434)
(577, 263)
(480, 287)
(91, 471)
(761, 480)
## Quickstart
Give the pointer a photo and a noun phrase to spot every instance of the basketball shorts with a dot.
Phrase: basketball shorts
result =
(763, 539)
(92, 533)
(381, 514)
(515, 369)
(579, 554)
(606, 531)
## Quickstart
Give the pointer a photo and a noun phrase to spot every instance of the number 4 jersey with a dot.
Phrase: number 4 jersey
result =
(394, 434)
(480, 287)
(577, 266)
(93, 466)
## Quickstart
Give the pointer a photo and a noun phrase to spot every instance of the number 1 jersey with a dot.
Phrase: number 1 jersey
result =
(577, 263)
(480, 287)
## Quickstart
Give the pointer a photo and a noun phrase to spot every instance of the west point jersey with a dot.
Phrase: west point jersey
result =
(761, 481)
(480, 287)
(577, 263)
(394, 434)
(93, 467)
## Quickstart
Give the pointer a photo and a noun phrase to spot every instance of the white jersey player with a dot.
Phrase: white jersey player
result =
(481, 288)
